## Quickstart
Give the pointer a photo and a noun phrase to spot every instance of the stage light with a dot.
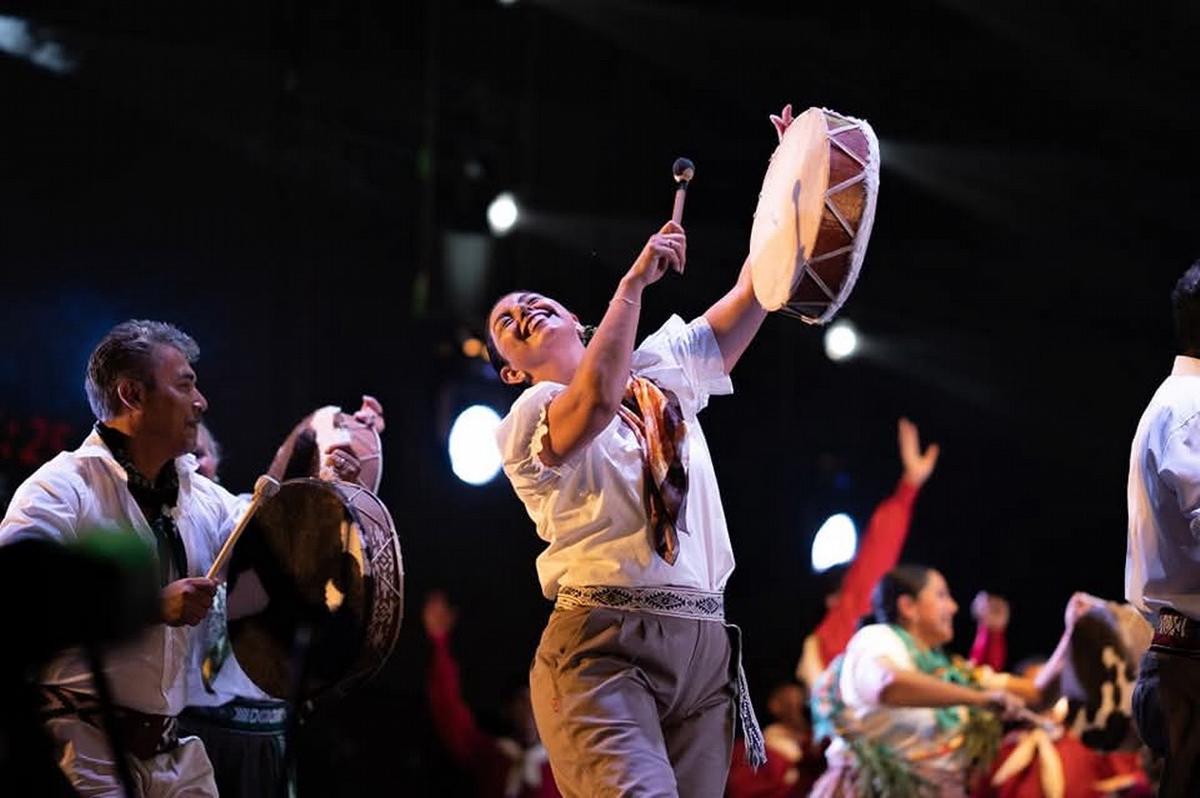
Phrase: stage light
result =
(835, 543)
(503, 213)
(472, 347)
(841, 341)
(36, 45)
(474, 455)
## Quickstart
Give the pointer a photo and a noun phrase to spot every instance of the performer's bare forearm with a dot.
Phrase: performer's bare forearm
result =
(916, 689)
(597, 387)
(735, 319)
(600, 381)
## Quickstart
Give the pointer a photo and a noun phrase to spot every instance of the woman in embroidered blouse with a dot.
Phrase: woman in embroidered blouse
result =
(631, 683)
(637, 679)
(895, 690)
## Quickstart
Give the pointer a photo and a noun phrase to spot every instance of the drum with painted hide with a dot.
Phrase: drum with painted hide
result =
(315, 589)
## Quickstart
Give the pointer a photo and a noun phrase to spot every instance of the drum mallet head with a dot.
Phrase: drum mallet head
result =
(266, 486)
(683, 170)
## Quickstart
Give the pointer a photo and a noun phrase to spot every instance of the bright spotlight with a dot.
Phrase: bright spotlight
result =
(841, 341)
(474, 455)
(19, 38)
(503, 213)
(835, 543)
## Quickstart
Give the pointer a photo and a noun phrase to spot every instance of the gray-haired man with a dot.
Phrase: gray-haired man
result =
(133, 472)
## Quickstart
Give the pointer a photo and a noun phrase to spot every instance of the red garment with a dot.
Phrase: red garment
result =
(473, 748)
(990, 648)
(1083, 767)
(771, 780)
(878, 554)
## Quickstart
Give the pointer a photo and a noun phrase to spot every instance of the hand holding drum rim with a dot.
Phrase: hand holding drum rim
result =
(345, 464)
(1078, 605)
(782, 121)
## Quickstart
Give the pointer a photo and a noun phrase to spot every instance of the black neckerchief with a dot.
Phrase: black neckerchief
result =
(156, 499)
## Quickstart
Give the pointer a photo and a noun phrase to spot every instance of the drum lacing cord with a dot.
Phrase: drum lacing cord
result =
(382, 579)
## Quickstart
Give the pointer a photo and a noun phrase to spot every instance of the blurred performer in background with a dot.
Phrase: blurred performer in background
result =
(134, 471)
(511, 766)
(878, 554)
(902, 714)
(207, 453)
(991, 614)
(1162, 565)
(1086, 745)
(794, 760)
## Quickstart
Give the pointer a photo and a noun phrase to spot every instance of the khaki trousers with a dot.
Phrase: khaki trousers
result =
(634, 703)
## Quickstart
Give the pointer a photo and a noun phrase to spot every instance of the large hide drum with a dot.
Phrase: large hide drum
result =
(1098, 679)
(814, 215)
(315, 589)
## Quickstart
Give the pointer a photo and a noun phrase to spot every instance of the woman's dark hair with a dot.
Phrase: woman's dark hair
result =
(903, 580)
(494, 357)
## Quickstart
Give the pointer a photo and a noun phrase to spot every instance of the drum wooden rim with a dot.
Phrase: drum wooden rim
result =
(798, 214)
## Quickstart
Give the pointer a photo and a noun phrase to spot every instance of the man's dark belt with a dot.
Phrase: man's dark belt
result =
(243, 714)
(143, 735)
(1176, 634)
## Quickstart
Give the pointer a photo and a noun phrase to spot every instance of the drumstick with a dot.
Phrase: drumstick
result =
(264, 488)
(684, 170)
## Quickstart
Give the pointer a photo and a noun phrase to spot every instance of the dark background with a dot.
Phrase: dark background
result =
(290, 181)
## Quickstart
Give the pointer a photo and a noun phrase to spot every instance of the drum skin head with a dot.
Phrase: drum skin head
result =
(814, 215)
(303, 590)
(789, 208)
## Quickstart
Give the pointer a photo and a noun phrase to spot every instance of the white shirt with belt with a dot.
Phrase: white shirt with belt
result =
(589, 508)
(85, 490)
(1162, 564)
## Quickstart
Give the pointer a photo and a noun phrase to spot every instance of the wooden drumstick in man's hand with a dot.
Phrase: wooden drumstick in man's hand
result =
(264, 488)
(684, 170)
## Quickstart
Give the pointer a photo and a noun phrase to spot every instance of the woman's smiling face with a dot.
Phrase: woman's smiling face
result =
(532, 331)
